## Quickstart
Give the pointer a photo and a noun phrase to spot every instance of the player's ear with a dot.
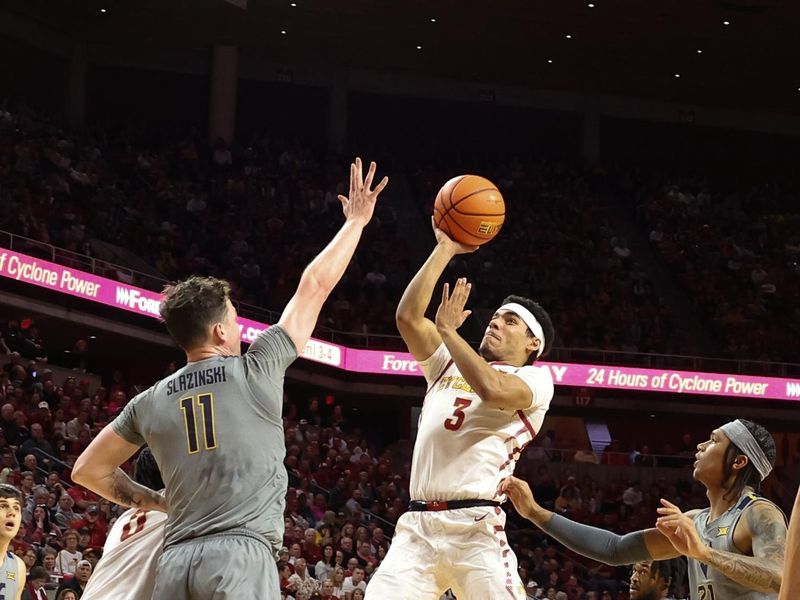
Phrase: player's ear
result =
(532, 345)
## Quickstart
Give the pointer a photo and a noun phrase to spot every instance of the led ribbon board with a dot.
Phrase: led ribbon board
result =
(35, 271)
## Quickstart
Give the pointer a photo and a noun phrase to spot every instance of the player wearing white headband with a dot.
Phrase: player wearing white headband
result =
(480, 411)
(735, 547)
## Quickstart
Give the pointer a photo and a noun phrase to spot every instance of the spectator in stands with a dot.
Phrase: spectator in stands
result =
(64, 513)
(356, 580)
(34, 586)
(324, 568)
(79, 581)
(40, 530)
(95, 524)
(49, 560)
(67, 594)
(301, 580)
(327, 591)
(30, 558)
(37, 445)
(67, 559)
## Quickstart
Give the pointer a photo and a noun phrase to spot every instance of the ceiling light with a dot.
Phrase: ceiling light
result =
(103, 10)
(293, 4)
(677, 74)
(283, 32)
(433, 20)
(550, 61)
(569, 37)
(590, 5)
(419, 47)
(699, 51)
(92, 337)
(726, 22)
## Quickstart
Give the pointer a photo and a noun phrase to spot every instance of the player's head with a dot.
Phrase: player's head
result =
(737, 455)
(656, 579)
(198, 312)
(146, 471)
(10, 511)
(518, 331)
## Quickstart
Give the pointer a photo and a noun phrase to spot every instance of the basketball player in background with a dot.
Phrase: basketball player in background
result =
(480, 411)
(790, 586)
(12, 569)
(734, 548)
(127, 570)
(656, 579)
(215, 427)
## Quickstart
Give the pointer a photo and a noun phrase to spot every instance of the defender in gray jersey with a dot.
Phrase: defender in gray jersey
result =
(734, 548)
(215, 428)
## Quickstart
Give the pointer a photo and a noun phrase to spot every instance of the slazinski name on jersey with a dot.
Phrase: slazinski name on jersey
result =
(195, 379)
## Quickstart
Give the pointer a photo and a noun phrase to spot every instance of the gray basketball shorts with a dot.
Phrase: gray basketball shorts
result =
(230, 565)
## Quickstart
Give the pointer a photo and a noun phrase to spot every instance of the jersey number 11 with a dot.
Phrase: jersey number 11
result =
(205, 406)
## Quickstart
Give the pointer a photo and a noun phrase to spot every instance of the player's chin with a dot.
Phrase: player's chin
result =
(485, 351)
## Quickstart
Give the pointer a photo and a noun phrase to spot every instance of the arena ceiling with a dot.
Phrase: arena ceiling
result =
(675, 50)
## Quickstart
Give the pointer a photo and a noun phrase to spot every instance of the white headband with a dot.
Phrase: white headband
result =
(740, 435)
(529, 320)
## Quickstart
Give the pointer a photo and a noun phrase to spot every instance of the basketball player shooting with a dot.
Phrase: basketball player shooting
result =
(480, 411)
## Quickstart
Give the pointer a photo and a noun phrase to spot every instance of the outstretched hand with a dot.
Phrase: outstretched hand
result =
(680, 530)
(520, 494)
(451, 314)
(359, 204)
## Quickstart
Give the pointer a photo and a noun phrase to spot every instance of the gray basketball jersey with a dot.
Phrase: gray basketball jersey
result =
(705, 582)
(9, 577)
(216, 432)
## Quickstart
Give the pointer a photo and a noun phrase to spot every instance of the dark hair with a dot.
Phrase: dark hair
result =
(9, 491)
(191, 306)
(332, 560)
(749, 475)
(146, 471)
(541, 316)
(38, 573)
(672, 571)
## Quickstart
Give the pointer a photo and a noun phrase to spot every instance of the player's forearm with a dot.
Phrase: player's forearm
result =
(328, 267)
(756, 573)
(480, 376)
(419, 291)
(121, 489)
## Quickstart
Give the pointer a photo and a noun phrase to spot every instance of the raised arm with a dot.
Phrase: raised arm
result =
(419, 333)
(790, 584)
(323, 273)
(592, 542)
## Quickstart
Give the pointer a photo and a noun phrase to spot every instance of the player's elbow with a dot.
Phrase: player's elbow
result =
(80, 470)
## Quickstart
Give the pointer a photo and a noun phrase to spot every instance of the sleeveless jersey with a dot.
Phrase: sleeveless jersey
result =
(127, 570)
(466, 446)
(705, 582)
(9, 577)
(216, 432)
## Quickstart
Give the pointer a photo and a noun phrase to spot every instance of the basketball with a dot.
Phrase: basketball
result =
(470, 209)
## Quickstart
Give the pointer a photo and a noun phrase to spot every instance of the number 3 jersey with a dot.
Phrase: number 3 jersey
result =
(466, 446)
(127, 570)
(216, 432)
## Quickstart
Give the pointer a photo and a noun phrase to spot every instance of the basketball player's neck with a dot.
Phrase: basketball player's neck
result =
(4, 544)
(204, 352)
(718, 501)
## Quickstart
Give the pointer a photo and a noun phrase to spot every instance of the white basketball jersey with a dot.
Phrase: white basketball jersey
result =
(127, 570)
(465, 446)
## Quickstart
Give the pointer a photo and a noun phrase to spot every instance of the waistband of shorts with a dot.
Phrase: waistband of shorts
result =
(437, 505)
(236, 532)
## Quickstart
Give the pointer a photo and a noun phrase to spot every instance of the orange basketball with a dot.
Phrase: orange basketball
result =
(470, 209)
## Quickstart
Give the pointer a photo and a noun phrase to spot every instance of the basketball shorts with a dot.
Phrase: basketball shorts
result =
(231, 565)
(464, 549)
